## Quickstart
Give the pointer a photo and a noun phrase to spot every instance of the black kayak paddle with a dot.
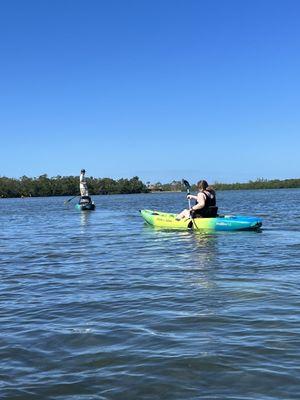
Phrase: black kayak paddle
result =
(188, 191)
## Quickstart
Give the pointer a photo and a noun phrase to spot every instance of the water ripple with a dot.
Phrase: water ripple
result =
(100, 306)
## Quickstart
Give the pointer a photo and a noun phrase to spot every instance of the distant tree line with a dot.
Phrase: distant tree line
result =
(67, 186)
(174, 186)
(260, 184)
(257, 184)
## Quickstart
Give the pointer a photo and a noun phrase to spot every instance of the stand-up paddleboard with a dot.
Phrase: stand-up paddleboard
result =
(85, 204)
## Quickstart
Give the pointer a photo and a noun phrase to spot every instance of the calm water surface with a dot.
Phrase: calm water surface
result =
(100, 306)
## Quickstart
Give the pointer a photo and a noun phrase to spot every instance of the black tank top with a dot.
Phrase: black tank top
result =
(210, 201)
(210, 198)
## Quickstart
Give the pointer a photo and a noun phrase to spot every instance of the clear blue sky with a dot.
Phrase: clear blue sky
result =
(162, 89)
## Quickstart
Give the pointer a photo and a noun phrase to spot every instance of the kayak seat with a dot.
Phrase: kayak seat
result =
(213, 210)
(210, 212)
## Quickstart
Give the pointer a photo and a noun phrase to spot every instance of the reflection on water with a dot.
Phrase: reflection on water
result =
(195, 251)
(84, 219)
(204, 252)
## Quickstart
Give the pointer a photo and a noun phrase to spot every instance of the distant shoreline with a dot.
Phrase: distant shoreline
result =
(43, 186)
(150, 192)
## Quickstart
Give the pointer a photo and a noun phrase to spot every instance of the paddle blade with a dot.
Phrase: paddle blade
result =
(186, 184)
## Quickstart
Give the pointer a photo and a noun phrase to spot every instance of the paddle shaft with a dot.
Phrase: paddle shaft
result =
(67, 201)
(189, 200)
(187, 185)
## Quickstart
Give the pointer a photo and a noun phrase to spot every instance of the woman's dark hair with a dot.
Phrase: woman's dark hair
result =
(202, 185)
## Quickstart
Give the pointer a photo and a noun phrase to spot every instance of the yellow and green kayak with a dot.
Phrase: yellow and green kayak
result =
(220, 223)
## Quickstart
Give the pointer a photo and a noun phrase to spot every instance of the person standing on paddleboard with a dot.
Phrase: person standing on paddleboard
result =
(205, 206)
(84, 193)
(83, 185)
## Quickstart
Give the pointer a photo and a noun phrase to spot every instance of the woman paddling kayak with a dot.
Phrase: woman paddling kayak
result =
(205, 206)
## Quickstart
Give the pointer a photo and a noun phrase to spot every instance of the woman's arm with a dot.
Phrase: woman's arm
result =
(201, 201)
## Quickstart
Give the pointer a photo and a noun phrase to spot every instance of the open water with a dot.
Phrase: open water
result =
(97, 305)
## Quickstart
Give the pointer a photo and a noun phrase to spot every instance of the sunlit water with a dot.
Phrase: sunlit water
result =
(98, 305)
